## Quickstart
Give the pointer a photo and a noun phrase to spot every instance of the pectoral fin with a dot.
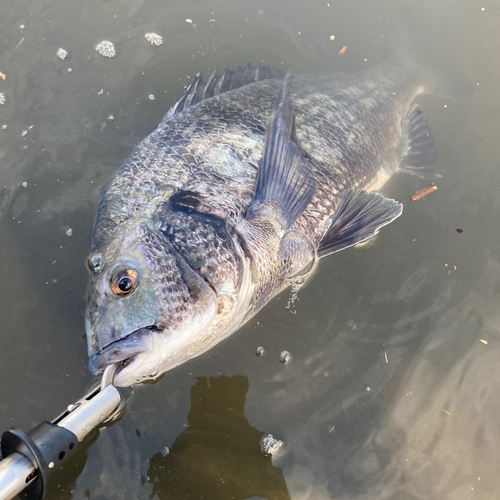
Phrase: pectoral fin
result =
(284, 177)
(359, 216)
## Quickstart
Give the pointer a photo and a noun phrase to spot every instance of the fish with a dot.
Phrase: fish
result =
(249, 180)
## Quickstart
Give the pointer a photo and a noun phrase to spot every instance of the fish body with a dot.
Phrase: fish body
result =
(234, 197)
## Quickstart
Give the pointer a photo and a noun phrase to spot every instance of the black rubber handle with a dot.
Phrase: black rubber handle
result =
(46, 447)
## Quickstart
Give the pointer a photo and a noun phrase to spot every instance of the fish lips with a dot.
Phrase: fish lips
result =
(138, 342)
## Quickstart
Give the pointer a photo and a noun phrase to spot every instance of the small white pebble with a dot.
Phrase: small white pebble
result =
(106, 48)
(61, 53)
(22, 27)
(70, 70)
(154, 39)
(190, 21)
(4, 127)
(151, 97)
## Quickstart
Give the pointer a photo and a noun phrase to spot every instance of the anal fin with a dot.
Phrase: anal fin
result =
(284, 176)
(420, 155)
(359, 216)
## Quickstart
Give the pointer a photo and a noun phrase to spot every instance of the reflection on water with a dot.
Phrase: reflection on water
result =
(218, 455)
(421, 424)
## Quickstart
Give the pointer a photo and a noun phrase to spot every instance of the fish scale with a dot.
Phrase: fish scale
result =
(347, 156)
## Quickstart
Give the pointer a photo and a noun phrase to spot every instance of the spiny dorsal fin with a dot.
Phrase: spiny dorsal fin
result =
(359, 216)
(218, 84)
(283, 176)
(420, 152)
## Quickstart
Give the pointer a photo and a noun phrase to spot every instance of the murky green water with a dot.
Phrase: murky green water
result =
(422, 425)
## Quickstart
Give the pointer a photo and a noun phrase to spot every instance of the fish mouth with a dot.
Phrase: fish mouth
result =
(124, 351)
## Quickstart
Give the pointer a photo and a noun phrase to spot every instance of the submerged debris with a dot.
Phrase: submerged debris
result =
(424, 192)
(342, 51)
(153, 39)
(269, 445)
(2, 75)
(260, 351)
(385, 354)
(2, 98)
(106, 48)
(459, 231)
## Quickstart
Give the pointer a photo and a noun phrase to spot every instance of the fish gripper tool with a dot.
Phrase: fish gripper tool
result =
(29, 458)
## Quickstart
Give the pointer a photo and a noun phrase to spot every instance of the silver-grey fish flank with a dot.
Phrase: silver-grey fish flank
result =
(247, 181)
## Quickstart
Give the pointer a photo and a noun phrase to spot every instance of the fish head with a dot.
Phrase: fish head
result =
(145, 304)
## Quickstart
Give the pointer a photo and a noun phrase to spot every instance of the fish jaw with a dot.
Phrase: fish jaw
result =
(149, 352)
(159, 350)
(124, 350)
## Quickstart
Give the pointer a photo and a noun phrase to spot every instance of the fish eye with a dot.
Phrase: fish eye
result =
(125, 281)
(95, 261)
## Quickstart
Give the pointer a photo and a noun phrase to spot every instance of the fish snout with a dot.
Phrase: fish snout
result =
(138, 342)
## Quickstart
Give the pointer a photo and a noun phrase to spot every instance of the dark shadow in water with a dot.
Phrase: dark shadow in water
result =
(218, 456)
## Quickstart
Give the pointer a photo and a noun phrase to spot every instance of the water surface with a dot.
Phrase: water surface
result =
(421, 423)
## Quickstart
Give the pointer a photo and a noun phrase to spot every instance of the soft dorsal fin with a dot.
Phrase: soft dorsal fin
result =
(283, 176)
(219, 83)
(359, 216)
(420, 152)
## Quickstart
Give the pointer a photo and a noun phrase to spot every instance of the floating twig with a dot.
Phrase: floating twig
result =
(424, 192)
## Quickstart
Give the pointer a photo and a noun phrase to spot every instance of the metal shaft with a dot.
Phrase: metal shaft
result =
(80, 418)
(91, 412)
(13, 473)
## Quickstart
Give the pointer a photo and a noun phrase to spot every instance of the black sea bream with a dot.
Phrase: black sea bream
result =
(248, 180)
